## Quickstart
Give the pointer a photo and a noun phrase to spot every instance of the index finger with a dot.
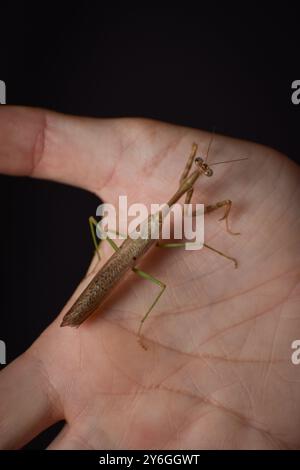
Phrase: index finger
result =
(68, 149)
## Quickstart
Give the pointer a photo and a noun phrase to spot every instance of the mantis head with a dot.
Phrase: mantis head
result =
(203, 166)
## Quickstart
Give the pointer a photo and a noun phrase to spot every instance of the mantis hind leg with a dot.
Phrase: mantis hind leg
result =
(182, 245)
(162, 289)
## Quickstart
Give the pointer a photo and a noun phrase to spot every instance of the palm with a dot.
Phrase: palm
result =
(218, 370)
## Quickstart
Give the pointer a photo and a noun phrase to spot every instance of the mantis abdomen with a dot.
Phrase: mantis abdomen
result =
(105, 280)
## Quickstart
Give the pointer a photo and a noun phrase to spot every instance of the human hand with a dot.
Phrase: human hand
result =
(218, 370)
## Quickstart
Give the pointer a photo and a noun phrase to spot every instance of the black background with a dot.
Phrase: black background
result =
(195, 66)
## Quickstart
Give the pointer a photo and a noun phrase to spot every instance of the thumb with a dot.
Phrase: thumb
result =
(68, 149)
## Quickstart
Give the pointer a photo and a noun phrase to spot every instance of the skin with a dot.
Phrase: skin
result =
(218, 372)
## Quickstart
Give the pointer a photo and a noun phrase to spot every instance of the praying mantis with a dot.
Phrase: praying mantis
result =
(128, 254)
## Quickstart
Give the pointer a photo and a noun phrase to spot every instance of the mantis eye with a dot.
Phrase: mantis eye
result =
(208, 172)
(204, 167)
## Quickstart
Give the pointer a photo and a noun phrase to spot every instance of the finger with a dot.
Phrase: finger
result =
(66, 440)
(28, 403)
(83, 437)
(68, 149)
